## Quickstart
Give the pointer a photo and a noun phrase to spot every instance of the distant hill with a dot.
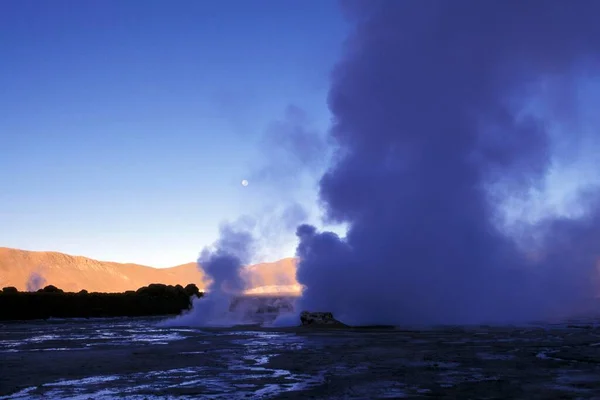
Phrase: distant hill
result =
(73, 273)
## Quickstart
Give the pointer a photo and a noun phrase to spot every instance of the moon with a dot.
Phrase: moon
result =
(244, 182)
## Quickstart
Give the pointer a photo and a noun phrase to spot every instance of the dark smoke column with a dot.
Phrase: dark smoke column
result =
(427, 104)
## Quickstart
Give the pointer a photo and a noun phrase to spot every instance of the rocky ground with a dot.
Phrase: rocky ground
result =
(135, 359)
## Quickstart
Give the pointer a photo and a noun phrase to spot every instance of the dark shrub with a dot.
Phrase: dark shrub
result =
(192, 290)
(51, 289)
(155, 299)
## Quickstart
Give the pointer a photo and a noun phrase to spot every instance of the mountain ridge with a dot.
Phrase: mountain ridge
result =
(75, 272)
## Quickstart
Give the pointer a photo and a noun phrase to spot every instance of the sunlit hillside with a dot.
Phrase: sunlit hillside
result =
(74, 273)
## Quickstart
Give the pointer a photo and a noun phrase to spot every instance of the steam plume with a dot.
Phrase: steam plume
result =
(222, 263)
(290, 148)
(35, 281)
(444, 112)
(292, 153)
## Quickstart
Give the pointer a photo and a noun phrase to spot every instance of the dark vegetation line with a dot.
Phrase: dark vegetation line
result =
(154, 299)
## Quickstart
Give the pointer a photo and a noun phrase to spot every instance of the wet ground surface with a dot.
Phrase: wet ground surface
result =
(127, 358)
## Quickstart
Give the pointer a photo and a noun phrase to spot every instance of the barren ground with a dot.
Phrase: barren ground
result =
(132, 358)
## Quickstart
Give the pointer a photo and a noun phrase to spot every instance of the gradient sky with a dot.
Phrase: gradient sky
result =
(127, 126)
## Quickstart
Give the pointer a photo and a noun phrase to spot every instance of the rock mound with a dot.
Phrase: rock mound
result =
(320, 319)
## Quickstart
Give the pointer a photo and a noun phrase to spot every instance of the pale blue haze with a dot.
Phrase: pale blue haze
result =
(126, 126)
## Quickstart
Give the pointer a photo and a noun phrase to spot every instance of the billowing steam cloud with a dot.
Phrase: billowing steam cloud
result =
(290, 148)
(444, 111)
(292, 155)
(222, 263)
(35, 281)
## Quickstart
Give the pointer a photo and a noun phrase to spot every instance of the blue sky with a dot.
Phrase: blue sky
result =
(127, 126)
